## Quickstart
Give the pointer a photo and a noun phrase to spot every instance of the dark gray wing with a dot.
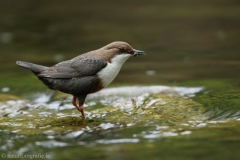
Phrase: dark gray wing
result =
(77, 67)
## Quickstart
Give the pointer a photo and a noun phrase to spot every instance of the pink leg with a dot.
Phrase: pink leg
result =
(80, 107)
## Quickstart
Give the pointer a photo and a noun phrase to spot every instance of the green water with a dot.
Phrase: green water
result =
(194, 45)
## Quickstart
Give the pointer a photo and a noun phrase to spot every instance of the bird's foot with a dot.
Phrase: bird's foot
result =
(79, 107)
(82, 112)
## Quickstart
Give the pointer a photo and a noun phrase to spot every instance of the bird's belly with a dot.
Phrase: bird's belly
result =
(108, 74)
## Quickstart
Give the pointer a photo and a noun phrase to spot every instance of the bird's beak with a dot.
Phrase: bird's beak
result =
(138, 52)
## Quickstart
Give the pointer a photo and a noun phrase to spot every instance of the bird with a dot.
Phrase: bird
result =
(85, 74)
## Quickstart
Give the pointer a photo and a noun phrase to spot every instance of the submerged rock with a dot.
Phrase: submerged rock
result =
(113, 111)
(6, 97)
(156, 107)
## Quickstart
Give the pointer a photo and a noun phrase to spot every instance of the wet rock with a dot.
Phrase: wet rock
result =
(157, 107)
(169, 105)
(10, 104)
(6, 97)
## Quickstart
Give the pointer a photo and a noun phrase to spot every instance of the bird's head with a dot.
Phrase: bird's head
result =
(119, 48)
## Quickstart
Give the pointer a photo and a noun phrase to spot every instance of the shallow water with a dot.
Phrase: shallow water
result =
(155, 121)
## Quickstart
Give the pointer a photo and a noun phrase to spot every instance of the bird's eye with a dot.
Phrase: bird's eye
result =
(122, 50)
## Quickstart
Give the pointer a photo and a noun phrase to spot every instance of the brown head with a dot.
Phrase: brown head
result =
(116, 48)
(119, 47)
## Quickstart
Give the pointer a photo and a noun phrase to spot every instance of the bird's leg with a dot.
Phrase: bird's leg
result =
(81, 110)
(80, 107)
(74, 101)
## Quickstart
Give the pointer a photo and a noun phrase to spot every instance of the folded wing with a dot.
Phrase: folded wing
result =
(78, 67)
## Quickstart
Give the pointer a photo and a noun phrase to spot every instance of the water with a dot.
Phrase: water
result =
(158, 121)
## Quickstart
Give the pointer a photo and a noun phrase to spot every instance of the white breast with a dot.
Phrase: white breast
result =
(108, 73)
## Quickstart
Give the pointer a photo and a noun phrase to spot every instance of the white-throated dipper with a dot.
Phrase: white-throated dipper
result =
(86, 73)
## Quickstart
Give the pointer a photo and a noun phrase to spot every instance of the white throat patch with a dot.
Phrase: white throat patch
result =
(108, 73)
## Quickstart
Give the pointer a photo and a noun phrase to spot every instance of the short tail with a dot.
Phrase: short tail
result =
(33, 67)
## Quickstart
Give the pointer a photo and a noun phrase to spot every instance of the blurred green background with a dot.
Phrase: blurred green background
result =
(187, 42)
(184, 40)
